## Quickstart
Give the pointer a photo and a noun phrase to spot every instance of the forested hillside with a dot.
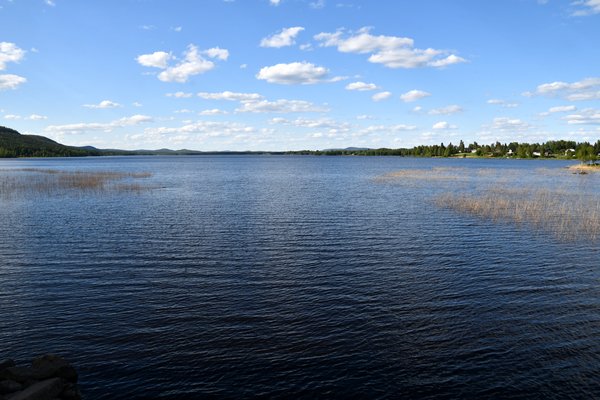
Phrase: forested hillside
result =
(13, 144)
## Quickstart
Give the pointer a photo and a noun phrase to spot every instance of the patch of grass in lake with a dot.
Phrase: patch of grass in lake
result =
(550, 200)
(39, 181)
(567, 215)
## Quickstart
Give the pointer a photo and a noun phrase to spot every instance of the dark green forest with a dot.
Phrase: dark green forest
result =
(566, 149)
(13, 144)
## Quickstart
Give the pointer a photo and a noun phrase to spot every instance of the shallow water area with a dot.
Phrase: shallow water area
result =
(245, 276)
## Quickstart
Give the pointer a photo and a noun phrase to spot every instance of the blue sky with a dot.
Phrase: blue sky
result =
(299, 74)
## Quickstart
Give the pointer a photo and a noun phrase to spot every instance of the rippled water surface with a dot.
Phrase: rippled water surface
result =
(305, 276)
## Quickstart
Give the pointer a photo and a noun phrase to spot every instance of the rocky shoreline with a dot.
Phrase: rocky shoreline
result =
(50, 377)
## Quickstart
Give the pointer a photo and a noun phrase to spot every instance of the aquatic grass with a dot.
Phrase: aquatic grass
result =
(445, 173)
(566, 215)
(39, 181)
(421, 176)
(544, 199)
(584, 168)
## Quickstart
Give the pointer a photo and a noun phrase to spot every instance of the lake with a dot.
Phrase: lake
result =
(303, 276)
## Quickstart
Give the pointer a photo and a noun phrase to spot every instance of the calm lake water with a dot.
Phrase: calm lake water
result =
(237, 276)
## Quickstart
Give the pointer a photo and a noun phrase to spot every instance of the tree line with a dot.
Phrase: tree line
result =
(567, 149)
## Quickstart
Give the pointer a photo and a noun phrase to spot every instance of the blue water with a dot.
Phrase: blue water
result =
(246, 276)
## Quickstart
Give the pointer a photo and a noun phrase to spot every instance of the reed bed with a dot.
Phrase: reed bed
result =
(550, 200)
(424, 174)
(39, 181)
(445, 174)
(566, 215)
(585, 168)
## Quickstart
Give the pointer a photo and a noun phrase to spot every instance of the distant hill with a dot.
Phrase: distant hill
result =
(13, 144)
(349, 149)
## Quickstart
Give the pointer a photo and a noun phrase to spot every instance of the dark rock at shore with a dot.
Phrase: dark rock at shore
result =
(50, 377)
(44, 390)
(8, 386)
(6, 364)
(20, 374)
(51, 365)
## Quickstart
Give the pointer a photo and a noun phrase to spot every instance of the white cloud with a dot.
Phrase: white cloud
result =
(204, 128)
(509, 124)
(192, 64)
(320, 123)
(180, 95)
(50, 3)
(562, 109)
(10, 81)
(284, 38)
(364, 117)
(317, 5)
(559, 109)
(414, 95)
(177, 28)
(10, 52)
(217, 52)
(137, 104)
(303, 73)
(212, 111)
(133, 120)
(36, 117)
(586, 89)
(231, 96)
(444, 62)
(448, 110)
(361, 86)
(103, 105)
(12, 116)
(321, 127)
(158, 59)
(443, 125)
(280, 106)
(78, 128)
(95, 126)
(274, 2)
(388, 128)
(502, 103)
(183, 111)
(391, 51)
(586, 7)
(381, 96)
(588, 116)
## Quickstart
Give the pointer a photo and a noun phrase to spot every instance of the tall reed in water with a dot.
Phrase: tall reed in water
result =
(34, 181)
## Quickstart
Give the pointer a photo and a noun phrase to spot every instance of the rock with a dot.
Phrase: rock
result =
(19, 374)
(6, 364)
(44, 390)
(51, 365)
(71, 392)
(8, 386)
